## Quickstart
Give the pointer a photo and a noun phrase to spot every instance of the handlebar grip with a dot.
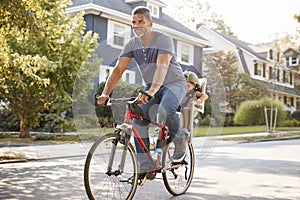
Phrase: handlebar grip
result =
(146, 93)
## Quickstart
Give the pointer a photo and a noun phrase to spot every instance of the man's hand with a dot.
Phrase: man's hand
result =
(101, 100)
(143, 97)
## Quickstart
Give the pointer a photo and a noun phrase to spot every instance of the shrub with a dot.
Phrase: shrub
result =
(8, 121)
(296, 115)
(290, 123)
(253, 112)
(204, 120)
(41, 136)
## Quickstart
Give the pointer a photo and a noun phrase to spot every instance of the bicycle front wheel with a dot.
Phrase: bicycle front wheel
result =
(103, 178)
(178, 176)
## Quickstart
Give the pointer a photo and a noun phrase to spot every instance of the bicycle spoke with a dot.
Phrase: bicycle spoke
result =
(103, 184)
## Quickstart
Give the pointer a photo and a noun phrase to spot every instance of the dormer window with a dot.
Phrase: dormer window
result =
(154, 9)
(292, 61)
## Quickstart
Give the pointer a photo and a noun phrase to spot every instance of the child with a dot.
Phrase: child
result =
(194, 93)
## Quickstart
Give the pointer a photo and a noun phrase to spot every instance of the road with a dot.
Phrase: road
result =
(224, 170)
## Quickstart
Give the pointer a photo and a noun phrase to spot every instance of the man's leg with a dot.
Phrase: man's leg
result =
(142, 127)
(167, 109)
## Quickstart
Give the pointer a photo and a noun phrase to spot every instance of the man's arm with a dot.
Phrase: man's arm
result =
(163, 61)
(113, 79)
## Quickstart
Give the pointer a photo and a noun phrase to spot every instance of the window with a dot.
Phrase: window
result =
(107, 72)
(154, 10)
(283, 77)
(291, 78)
(118, 34)
(185, 53)
(127, 78)
(257, 70)
(270, 73)
(285, 100)
(271, 54)
(292, 61)
(264, 70)
(278, 75)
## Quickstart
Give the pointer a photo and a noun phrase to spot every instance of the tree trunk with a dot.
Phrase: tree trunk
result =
(24, 130)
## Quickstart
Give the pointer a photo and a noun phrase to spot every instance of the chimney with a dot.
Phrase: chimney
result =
(200, 24)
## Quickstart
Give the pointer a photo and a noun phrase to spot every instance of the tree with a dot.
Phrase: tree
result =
(41, 51)
(239, 87)
(197, 12)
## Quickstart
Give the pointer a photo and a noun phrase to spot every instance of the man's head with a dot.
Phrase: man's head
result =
(142, 10)
(141, 21)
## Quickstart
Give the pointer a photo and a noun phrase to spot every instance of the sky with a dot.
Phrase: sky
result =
(257, 21)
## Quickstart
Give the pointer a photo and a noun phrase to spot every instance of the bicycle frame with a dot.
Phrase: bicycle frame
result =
(128, 127)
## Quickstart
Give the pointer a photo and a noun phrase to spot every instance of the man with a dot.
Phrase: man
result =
(154, 54)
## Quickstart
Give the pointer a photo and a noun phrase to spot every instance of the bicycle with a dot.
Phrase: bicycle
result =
(111, 168)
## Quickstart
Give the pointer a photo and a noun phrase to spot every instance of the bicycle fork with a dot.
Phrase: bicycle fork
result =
(124, 137)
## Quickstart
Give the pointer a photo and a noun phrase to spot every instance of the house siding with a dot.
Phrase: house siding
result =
(97, 20)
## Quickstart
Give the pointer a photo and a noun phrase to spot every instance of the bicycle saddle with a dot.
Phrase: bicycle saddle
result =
(136, 109)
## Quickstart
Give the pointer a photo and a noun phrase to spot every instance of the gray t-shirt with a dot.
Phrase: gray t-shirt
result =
(146, 57)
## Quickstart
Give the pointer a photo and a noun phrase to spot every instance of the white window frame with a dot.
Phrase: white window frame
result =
(293, 61)
(180, 52)
(111, 32)
(128, 75)
(154, 9)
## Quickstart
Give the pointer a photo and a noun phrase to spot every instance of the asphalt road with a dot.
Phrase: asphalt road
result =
(224, 170)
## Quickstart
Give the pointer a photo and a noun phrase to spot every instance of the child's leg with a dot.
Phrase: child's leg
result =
(186, 118)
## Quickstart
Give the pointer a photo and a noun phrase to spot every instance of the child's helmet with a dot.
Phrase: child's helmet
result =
(191, 77)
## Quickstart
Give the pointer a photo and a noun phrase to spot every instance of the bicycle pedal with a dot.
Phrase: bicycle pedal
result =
(142, 181)
(151, 175)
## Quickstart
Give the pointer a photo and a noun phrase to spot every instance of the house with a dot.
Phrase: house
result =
(112, 21)
(292, 60)
(264, 63)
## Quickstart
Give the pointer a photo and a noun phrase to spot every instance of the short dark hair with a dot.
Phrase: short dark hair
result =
(142, 10)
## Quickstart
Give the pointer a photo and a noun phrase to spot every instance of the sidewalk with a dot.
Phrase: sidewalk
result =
(41, 152)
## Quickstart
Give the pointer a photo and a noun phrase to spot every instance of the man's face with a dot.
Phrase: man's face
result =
(141, 25)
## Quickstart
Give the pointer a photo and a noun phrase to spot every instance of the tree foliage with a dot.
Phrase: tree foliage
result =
(239, 87)
(41, 51)
(198, 12)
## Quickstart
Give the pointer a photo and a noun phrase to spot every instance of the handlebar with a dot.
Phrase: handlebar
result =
(128, 100)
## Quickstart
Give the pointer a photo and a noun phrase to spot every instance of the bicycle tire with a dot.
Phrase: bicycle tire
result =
(180, 184)
(100, 185)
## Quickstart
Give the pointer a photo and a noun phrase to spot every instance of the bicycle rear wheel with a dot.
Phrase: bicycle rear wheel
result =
(178, 176)
(100, 184)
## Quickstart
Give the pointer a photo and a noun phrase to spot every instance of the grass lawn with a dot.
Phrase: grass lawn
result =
(89, 135)
(212, 131)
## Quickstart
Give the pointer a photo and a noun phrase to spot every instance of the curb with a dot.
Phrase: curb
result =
(36, 159)
(275, 139)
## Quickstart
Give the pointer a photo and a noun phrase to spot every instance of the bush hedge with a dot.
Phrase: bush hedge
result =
(253, 112)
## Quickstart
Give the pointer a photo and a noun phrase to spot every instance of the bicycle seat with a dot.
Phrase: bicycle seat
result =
(136, 109)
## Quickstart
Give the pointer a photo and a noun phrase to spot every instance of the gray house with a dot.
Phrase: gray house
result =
(111, 19)
(263, 62)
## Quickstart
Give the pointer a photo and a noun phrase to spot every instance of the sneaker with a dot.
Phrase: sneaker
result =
(180, 142)
(178, 156)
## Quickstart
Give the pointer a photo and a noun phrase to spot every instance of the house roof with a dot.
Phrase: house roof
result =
(243, 45)
(163, 22)
(280, 88)
(293, 50)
